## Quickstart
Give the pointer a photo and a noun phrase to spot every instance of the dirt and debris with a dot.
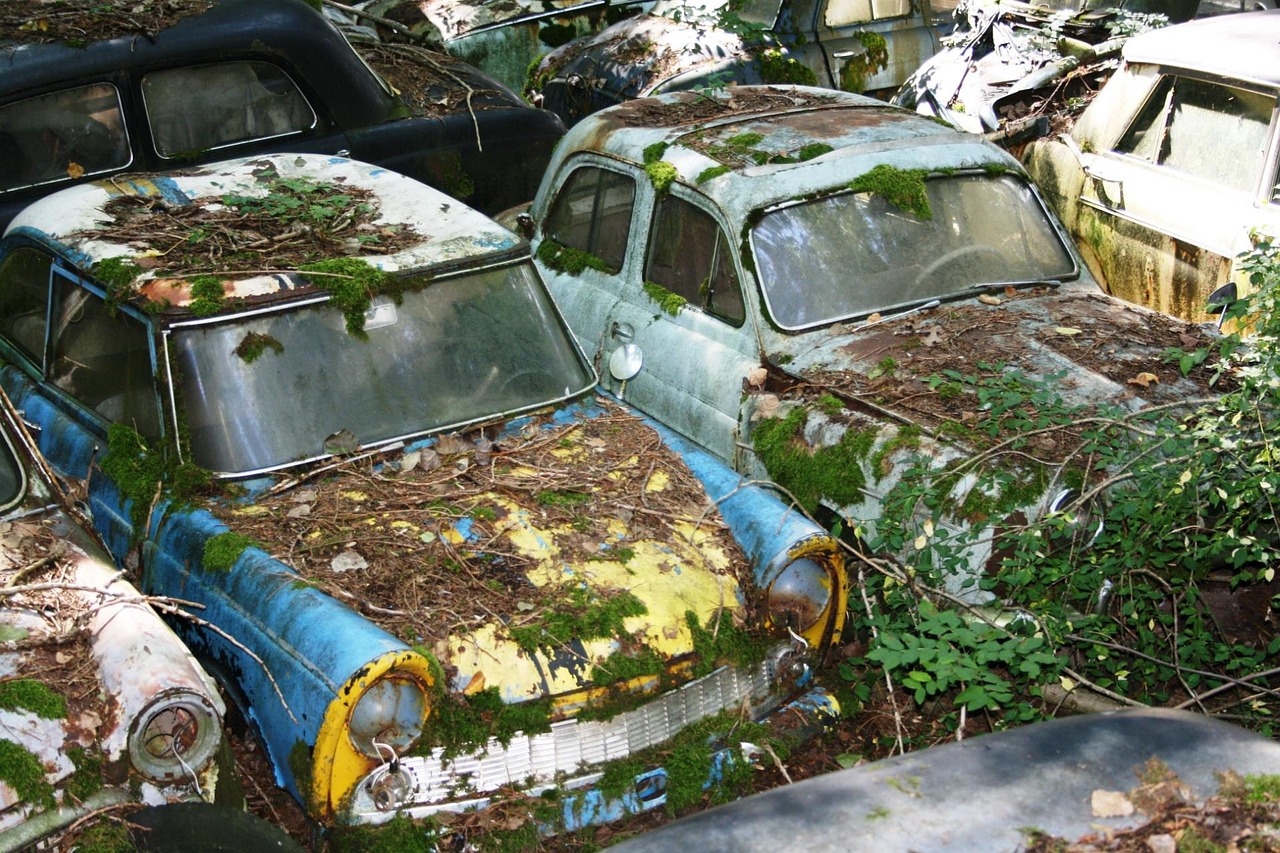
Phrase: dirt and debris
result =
(423, 545)
(431, 83)
(77, 22)
(692, 107)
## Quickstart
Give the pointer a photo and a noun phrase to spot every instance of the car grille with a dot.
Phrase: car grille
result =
(572, 745)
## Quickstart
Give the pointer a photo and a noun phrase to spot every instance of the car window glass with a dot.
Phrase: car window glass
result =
(24, 293)
(1209, 130)
(62, 136)
(210, 106)
(841, 13)
(102, 358)
(593, 214)
(688, 255)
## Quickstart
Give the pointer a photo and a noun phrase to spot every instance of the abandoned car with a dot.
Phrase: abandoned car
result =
(1169, 171)
(1012, 67)
(96, 89)
(501, 38)
(432, 562)
(813, 285)
(100, 703)
(677, 45)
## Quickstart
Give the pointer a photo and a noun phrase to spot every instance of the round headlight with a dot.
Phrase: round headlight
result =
(1082, 524)
(800, 596)
(390, 712)
(176, 737)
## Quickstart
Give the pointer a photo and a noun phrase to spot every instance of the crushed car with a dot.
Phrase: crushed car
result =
(433, 565)
(1016, 69)
(501, 38)
(1165, 178)
(819, 288)
(102, 707)
(96, 89)
(677, 45)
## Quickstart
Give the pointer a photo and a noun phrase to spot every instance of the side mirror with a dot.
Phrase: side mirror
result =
(1221, 299)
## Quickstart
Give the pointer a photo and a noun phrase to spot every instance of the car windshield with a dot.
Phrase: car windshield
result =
(864, 255)
(458, 351)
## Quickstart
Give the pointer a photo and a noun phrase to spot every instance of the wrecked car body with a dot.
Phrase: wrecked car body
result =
(855, 47)
(1017, 67)
(779, 272)
(438, 565)
(93, 91)
(1167, 174)
(503, 39)
(100, 703)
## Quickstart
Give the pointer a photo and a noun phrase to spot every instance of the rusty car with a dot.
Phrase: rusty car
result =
(677, 45)
(799, 279)
(95, 90)
(101, 704)
(434, 566)
(1165, 177)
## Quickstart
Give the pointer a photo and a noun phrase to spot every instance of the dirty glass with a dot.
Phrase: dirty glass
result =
(689, 256)
(62, 136)
(842, 13)
(24, 296)
(102, 358)
(849, 255)
(211, 106)
(592, 213)
(470, 348)
(1211, 131)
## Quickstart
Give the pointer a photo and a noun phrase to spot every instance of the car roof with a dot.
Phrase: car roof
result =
(749, 147)
(448, 233)
(1241, 47)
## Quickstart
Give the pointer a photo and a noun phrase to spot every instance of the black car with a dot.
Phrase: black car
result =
(89, 90)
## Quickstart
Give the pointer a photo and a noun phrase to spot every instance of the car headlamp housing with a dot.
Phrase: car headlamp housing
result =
(389, 714)
(801, 596)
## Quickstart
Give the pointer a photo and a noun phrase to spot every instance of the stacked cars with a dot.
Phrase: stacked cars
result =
(432, 565)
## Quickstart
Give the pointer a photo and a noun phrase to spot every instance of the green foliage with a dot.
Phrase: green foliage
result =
(21, 770)
(460, 724)
(874, 59)
(834, 472)
(712, 172)
(27, 694)
(564, 498)
(1171, 508)
(721, 642)
(222, 551)
(105, 836)
(253, 345)
(669, 302)
(144, 475)
(624, 667)
(116, 276)
(661, 174)
(778, 68)
(902, 188)
(398, 835)
(653, 153)
(87, 780)
(569, 260)
(352, 283)
(207, 295)
(294, 199)
(585, 615)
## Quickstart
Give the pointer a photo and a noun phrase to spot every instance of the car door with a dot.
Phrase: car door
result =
(873, 45)
(1173, 200)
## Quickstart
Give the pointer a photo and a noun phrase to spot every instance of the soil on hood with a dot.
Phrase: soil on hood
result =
(78, 22)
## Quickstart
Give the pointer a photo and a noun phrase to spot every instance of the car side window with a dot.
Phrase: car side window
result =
(842, 13)
(690, 256)
(1209, 130)
(24, 296)
(102, 358)
(592, 214)
(211, 106)
(62, 136)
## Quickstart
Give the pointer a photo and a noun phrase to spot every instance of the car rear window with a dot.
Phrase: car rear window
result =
(61, 136)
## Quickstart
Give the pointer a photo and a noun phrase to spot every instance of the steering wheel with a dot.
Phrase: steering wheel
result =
(948, 258)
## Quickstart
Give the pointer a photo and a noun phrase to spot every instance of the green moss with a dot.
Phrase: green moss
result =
(812, 150)
(352, 283)
(207, 295)
(777, 68)
(398, 835)
(830, 404)
(720, 642)
(621, 668)
(139, 472)
(1261, 790)
(618, 778)
(669, 302)
(661, 174)
(21, 770)
(222, 551)
(116, 276)
(461, 724)
(87, 780)
(585, 616)
(105, 837)
(902, 188)
(569, 261)
(875, 58)
(300, 766)
(745, 140)
(908, 437)
(834, 472)
(253, 345)
(712, 172)
(27, 694)
(564, 498)
(653, 153)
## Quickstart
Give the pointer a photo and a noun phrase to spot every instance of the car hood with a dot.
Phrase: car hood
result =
(477, 550)
(1105, 350)
(630, 58)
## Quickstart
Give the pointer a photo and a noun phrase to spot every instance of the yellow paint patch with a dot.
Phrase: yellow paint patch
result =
(658, 482)
(355, 496)
(401, 524)
(620, 473)
(250, 511)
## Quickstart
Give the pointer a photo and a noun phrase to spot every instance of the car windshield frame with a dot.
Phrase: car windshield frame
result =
(447, 355)
(903, 253)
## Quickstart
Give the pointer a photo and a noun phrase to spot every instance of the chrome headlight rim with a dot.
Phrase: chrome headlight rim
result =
(800, 596)
(389, 713)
